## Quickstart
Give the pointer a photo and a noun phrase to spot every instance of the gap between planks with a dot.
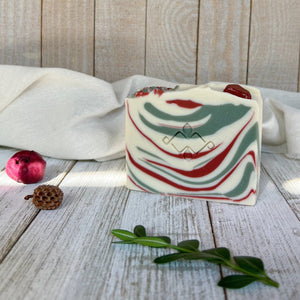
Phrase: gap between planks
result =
(179, 218)
(280, 170)
(33, 213)
(215, 243)
(280, 191)
(268, 230)
(69, 239)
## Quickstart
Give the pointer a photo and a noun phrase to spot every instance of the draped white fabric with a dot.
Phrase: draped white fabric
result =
(70, 115)
(281, 122)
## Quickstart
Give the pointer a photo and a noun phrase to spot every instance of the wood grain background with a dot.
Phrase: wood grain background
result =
(255, 42)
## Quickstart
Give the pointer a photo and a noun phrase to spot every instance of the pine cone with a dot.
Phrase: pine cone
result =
(46, 197)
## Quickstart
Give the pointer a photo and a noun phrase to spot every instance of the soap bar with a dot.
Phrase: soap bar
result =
(195, 141)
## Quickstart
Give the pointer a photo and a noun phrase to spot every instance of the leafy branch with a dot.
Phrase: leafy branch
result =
(252, 268)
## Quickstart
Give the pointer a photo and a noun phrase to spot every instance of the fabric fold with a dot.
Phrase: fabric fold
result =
(281, 129)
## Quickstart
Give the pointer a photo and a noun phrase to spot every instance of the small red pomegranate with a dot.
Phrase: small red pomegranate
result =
(26, 167)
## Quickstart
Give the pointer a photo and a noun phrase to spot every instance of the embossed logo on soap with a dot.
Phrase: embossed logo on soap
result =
(187, 150)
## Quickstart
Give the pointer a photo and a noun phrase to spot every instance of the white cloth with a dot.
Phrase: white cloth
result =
(70, 115)
(281, 122)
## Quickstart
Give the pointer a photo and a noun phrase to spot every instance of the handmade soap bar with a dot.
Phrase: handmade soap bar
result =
(195, 141)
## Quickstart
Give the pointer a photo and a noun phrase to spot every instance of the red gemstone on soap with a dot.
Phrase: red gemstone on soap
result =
(237, 90)
(141, 93)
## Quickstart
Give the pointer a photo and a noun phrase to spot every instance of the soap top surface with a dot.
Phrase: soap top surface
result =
(216, 92)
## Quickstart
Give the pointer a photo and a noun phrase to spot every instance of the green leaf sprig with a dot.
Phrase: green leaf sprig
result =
(252, 268)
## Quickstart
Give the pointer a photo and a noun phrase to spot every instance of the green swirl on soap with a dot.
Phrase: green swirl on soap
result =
(244, 182)
(220, 116)
(240, 188)
(250, 137)
(140, 182)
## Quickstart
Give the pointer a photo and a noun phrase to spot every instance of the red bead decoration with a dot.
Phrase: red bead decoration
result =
(237, 90)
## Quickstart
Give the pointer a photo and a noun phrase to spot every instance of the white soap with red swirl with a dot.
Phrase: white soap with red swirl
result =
(195, 141)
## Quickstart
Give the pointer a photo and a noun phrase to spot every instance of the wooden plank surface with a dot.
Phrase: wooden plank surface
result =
(171, 41)
(274, 44)
(119, 38)
(68, 253)
(179, 218)
(288, 183)
(254, 42)
(16, 213)
(62, 253)
(68, 35)
(299, 72)
(223, 41)
(269, 230)
(20, 37)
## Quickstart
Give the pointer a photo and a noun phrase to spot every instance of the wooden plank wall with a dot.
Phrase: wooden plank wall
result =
(192, 41)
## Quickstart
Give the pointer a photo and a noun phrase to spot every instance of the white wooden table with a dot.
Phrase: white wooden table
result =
(68, 253)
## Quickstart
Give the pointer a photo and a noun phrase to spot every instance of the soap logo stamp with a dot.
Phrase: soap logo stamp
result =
(188, 133)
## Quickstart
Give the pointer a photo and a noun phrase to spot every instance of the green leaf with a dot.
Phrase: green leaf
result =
(165, 238)
(250, 264)
(220, 253)
(155, 242)
(139, 230)
(124, 242)
(203, 256)
(169, 258)
(123, 235)
(215, 255)
(236, 281)
(189, 244)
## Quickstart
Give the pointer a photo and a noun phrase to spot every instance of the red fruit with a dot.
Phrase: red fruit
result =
(26, 167)
(237, 90)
